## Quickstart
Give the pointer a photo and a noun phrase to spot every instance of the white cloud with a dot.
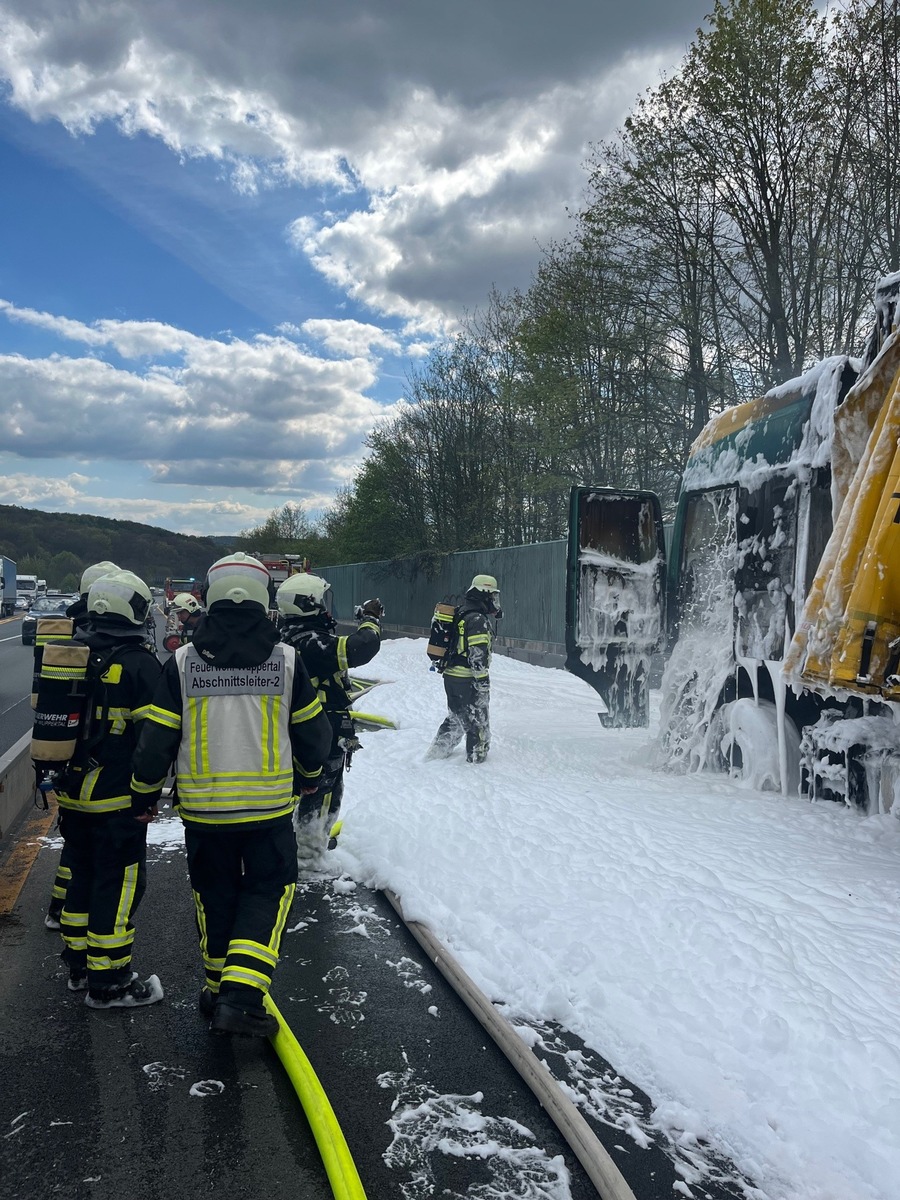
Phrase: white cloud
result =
(37, 491)
(454, 137)
(352, 338)
(193, 516)
(237, 413)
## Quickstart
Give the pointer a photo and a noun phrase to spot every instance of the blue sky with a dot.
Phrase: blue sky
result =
(225, 238)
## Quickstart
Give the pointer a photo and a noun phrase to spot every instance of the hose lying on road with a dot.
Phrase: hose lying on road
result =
(590, 1152)
(339, 1164)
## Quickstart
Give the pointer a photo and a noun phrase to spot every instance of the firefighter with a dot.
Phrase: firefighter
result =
(115, 677)
(190, 613)
(79, 610)
(236, 711)
(466, 675)
(308, 626)
(77, 614)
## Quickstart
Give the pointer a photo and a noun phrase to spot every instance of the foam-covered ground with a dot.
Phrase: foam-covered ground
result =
(733, 952)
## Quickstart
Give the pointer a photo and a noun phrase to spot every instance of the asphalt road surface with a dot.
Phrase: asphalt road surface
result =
(99, 1104)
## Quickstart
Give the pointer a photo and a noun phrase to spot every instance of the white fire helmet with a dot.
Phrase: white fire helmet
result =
(120, 594)
(94, 572)
(238, 577)
(486, 584)
(186, 600)
(302, 595)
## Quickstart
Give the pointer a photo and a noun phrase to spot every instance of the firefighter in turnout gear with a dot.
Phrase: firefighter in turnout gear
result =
(79, 610)
(236, 711)
(60, 629)
(308, 626)
(189, 612)
(466, 675)
(95, 690)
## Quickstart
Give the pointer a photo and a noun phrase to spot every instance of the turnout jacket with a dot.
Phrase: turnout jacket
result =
(98, 776)
(238, 714)
(328, 656)
(470, 654)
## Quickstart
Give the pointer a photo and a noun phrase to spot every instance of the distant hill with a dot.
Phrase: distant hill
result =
(58, 546)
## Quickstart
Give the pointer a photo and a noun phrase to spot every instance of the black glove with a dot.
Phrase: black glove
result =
(371, 608)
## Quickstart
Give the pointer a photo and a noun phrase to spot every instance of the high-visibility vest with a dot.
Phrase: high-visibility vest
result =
(234, 762)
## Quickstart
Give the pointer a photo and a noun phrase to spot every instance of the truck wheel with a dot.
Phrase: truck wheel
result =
(743, 742)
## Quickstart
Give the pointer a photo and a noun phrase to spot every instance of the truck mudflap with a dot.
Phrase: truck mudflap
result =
(615, 596)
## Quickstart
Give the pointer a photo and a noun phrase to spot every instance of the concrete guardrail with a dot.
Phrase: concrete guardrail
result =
(16, 783)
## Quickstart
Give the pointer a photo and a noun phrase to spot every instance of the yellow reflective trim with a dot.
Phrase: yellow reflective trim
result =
(284, 907)
(479, 639)
(253, 950)
(62, 673)
(126, 899)
(143, 788)
(230, 819)
(110, 941)
(265, 715)
(164, 716)
(64, 872)
(193, 744)
(235, 777)
(342, 653)
(112, 804)
(121, 714)
(70, 918)
(201, 922)
(204, 736)
(276, 733)
(245, 975)
(90, 782)
(368, 625)
(118, 718)
(255, 786)
(138, 714)
(305, 714)
(112, 674)
(105, 963)
(307, 774)
(75, 943)
(255, 796)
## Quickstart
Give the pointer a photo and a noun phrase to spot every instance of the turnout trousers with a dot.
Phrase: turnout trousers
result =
(106, 854)
(243, 881)
(60, 881)
(317, 812)
(468, 716)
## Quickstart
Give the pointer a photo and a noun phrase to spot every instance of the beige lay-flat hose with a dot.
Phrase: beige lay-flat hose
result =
(590, 1152)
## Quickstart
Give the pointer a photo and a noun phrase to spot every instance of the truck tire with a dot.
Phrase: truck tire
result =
(743, 742)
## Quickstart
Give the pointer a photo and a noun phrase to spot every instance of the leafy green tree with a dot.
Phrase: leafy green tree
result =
(62, 569)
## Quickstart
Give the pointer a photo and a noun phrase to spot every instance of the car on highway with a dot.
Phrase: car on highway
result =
(44, 606)
(23, 602)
